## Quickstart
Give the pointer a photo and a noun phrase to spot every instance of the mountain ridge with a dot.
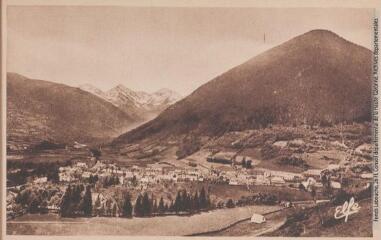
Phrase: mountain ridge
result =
(39, 110)
(138, 103)
(312, 78)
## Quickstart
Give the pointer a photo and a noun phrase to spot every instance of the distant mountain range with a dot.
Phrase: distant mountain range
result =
(137, 103)
(45, 111)
(314, 78)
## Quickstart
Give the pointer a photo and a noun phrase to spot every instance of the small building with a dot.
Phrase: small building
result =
(309, 183)
(78, 145)
(81, 165)
(315, 173)
(41, 180)
(280, 144)
(335, 185)
(277, 180)
(257, 218)
(233, 182)
(333, 167)
(366, 176)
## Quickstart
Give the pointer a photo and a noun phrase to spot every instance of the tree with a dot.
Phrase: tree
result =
(87, 202)
(138, 206)
(65, 202)
(166, 208)
(178, 202)
(154, 207)
(127, 206)
(326, 181)
(114, 209)
(230, 203)
(203, 199)
(188, 206)
(76, 194)
(34, 205)
(108, 207)
(96, 153)
(146, 205)
(97, 205)
(313, 193)
(53, 176)
(161, 207)
(171, 207)
(196, 202)
(248, 163)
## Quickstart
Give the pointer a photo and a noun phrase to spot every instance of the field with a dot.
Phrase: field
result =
(159, 226)
(358, 224)
(246, 228)
(218, 192)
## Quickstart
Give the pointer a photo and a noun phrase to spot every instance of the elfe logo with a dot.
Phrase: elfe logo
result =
(347, 209)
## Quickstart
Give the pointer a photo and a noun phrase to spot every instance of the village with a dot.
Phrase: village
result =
(46, 195)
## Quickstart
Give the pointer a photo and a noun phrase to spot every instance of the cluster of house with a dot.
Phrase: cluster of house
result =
(144, 177)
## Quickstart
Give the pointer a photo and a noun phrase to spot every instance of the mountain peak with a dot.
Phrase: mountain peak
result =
(322, 37)
(321, 32)
(121, 88)
(313, 78)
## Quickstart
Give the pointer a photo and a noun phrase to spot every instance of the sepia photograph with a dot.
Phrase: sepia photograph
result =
(189, 121)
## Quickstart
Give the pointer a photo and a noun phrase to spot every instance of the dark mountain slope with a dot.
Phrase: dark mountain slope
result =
(313, 78)
(41, 110)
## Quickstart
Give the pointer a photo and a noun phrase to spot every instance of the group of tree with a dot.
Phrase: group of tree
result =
(258, 198)
(32, 169)
(246, 163)
(143, 205)
(76, 201)
(127, 206)
(186, 202)
(107, 207)
(188, 146)
(292, 161)
(36, 200)
(93, 179)
(110, 180)
(95, 152)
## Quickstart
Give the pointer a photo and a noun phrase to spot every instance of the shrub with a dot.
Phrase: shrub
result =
(230, 203)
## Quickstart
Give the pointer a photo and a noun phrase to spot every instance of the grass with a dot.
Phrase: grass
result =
(358, 225)
(157, 226)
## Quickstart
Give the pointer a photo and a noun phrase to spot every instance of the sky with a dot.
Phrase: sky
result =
(148, 49)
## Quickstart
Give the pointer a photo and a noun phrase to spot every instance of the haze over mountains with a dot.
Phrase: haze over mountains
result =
(40, 110)
(140, 104)
(314, 78)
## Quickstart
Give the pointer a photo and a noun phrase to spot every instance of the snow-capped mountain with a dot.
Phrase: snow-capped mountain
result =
(138, 103)
(164, 95)
(91, 89)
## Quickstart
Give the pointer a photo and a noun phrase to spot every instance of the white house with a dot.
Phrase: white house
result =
(333, 167)
(277, 180)
(367, 175)
(41, 180)
(335, 185)
(257, 218)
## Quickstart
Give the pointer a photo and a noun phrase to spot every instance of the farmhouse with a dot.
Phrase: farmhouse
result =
(315, 173)
(277, 180)
(257, 218)
(288, 176)
(41, 180)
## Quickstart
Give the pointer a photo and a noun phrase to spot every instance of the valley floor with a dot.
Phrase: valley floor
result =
(156, 226)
